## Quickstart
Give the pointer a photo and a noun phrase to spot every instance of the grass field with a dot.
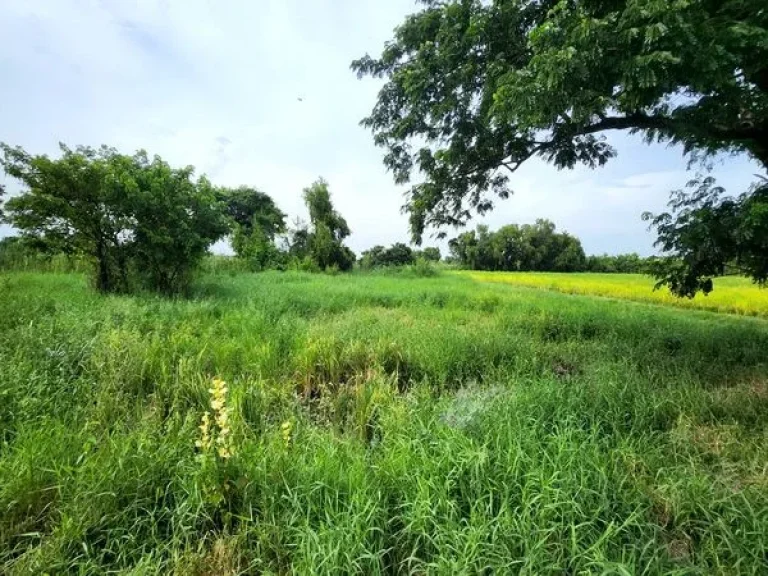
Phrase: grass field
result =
(732, 294)
(378, 424)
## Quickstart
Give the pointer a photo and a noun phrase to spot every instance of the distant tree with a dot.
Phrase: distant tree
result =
(570, 255)
(430, 254)
(396, 255)
(621, 263)
(528, 247)
(474, 89)
(328, 230)
(136, 218)
(706, 232)
(297, 240)
(318, 201)
(252, 212)
(256, 221)
(371, 258)
(463, 249)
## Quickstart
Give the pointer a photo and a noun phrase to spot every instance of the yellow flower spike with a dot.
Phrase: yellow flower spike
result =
(214, 428)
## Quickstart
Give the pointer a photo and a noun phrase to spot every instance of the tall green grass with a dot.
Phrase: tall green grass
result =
(437, 425)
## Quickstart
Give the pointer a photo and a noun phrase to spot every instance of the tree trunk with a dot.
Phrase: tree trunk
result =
(103, 283)
(760, 148)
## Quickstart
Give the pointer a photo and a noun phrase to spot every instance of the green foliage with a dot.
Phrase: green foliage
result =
(430, 254)
(474, 89)
(256, 220)
(620, 264)
(252, 209)
(706, 234)
(324, 243)
(143, 223)
(175, 220)
(523, 248)
(434, 425)
(396, 255)
(424, 268)
(18, 253)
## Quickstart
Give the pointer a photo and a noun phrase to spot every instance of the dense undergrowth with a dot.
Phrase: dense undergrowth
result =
(379, 424)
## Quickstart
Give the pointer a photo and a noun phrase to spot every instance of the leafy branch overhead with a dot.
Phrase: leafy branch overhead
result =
(707, 234)
(474, 89)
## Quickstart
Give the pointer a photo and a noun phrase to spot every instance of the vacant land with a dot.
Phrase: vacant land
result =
(732, 294)
(377, 425)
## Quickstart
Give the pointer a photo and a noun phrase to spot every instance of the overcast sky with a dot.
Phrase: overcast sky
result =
(259, 92)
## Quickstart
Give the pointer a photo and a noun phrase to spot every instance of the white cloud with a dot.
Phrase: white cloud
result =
(260, 93)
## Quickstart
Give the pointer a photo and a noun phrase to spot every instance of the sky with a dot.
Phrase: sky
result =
(260, 93)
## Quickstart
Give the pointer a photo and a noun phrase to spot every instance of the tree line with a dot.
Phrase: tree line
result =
(138, 223)
(142, 224)
(534, 247)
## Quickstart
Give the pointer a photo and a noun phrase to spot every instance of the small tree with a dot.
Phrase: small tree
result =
(142, 222)
(73, 205)
(430, 254)
(175, 220)
(329, 229)
(256, 220)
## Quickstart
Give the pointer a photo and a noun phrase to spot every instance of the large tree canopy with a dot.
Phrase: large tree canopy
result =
(474, 88)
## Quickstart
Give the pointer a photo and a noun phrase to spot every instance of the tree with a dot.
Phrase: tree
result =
(72, 205)
(329, 229)
(536, 247)
(463, 249)
(620, 263)
(142, 222)
(371, 258)
(396, 255)
(256, 220)
(706, 232)
(474, 89)
(250, 208)
(430, 254)
(174, 220)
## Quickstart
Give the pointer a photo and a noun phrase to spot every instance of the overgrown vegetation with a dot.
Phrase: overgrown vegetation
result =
(376, 424)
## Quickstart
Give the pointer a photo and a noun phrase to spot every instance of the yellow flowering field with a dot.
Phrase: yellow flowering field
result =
(731, 294)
